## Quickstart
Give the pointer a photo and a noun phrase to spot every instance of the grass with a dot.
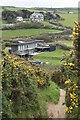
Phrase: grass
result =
(51, 93)
(69, 19)
(25, 32)
(4, 22)
(54, 58)
(14, 8)
(63, 42)
(45, 95)
(21, 8)
(46, 23)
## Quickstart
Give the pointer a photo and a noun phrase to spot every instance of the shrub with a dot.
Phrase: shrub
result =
(22, 25)
(72, 69)
(58, 77)
(20, 82)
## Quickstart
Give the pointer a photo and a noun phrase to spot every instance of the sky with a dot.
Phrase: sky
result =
(40, 3)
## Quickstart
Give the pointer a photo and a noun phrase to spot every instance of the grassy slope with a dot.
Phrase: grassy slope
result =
(25, 32)
(53, 58)
(69, 19)
(51, 93)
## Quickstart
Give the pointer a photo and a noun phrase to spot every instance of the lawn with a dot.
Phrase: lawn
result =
(69, 19)
(54, 58)
(25, 32)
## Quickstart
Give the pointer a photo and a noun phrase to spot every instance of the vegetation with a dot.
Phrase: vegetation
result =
(58, 77)
(72, 66)
(25, 32)
(24, 89)
(28, 88)
(54, 58)
(69, 19)
(10, 16)
(51, 93)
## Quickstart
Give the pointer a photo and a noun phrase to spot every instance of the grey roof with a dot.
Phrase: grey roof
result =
(16, 44)
(41, 47)
(36, 13)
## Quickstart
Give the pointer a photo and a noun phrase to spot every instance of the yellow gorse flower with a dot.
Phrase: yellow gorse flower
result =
(67, 82)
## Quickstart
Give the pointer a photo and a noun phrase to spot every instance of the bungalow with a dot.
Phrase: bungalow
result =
(38, 17)
(24, 49)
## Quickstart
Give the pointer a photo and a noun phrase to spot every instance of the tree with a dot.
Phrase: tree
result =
(49, 16)
(10, 16)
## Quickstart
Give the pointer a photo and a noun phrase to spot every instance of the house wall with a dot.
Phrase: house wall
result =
(19, 19)
(33, 45)
(31, 52)
(14, 48)
(37, 17)
(25, 46)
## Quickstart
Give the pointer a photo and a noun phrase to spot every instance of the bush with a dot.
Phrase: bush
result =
(22, 25)
(58, 77)
(72, 70)
(20, 83)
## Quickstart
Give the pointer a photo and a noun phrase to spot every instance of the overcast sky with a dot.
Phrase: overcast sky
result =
(40, 3)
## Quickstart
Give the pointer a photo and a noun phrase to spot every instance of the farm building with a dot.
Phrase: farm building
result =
(39, 17)
(19, 19)
(24, 49)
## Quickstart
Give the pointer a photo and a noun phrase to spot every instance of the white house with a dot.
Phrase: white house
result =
(19, 19)
(39, 17)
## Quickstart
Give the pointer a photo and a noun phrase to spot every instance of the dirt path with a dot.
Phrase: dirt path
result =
(57, 110)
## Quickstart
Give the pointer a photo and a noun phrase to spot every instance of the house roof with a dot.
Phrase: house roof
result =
(37, 14)
(23, 43)
(19, 17)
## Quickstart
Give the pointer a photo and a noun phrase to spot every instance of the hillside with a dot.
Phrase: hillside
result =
(30, 89)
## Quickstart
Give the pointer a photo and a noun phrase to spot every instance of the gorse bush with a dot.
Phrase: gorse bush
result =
(58, 77)
(20, 82)
(72, 69)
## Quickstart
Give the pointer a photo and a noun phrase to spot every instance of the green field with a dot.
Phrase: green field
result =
(54, 58)
(69, 19)
(25, 32)
(21, 8)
